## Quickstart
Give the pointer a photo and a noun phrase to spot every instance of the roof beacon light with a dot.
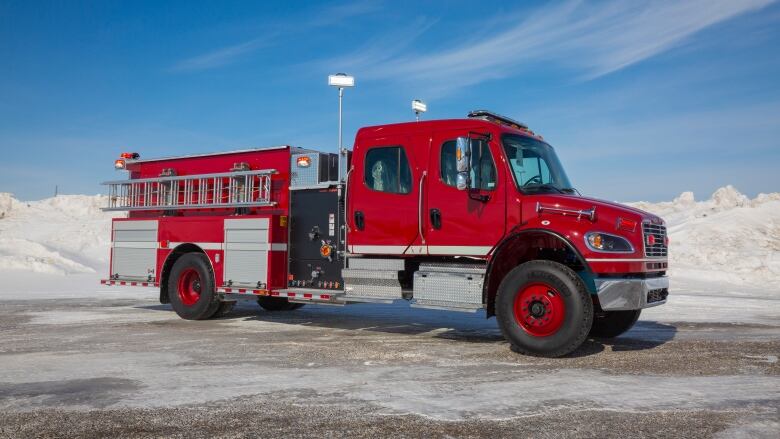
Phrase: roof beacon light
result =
(119, 164)
(130, 155)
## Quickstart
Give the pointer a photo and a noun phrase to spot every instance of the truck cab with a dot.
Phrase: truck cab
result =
(461, 214)
(488, 194)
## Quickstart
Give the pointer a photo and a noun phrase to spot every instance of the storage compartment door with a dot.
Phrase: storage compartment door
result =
(134, 251)
(246, 252)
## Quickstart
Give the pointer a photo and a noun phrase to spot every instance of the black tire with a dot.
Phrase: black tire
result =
(188, 305)
(277, 304)
(608, 324)
(560, 290)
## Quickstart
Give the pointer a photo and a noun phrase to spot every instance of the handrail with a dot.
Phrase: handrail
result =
(590, 214)
(420, 208)
(347, 229)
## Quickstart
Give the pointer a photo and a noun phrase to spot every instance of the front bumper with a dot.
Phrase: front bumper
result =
(621, 294)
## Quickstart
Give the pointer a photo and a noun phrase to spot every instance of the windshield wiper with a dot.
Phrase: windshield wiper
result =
(570, 190)
(543, 186)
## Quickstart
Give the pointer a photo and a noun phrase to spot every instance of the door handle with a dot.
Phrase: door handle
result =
(436, 218)
(360, 220)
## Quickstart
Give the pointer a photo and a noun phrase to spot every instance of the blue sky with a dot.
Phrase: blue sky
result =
(641, 101)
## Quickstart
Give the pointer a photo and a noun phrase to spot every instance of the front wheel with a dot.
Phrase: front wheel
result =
(544, 309)
(608, 324)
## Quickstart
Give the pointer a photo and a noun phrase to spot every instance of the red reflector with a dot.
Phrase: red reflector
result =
(626, 224)
(650, 240)
(164, 244)
(325, 297)
(307, 295)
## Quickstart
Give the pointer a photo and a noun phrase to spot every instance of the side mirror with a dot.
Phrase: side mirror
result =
(463, 160)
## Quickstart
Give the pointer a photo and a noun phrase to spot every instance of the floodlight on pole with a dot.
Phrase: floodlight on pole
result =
(418, 107)
(341, 81)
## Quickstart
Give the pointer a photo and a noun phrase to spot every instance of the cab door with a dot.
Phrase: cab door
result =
(383, 196)
(468, 222)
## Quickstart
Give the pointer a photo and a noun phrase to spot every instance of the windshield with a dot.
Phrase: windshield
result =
(535, 166)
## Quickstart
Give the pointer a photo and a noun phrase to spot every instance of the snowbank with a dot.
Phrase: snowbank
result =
(728, 237)
(67, 234)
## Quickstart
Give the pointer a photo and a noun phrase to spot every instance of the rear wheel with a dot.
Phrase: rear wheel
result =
(277, 304)
(608, 324)
(191, 287)
(544, 309)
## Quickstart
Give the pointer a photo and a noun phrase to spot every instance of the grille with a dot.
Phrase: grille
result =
(657, 295)
(659, 232)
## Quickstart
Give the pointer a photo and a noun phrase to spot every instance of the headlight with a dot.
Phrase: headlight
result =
(602, 242)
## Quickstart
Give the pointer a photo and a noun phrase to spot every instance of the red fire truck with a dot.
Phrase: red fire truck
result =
(462, 215)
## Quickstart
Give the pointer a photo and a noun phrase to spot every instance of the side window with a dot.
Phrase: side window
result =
(483, 170)
(387, 170)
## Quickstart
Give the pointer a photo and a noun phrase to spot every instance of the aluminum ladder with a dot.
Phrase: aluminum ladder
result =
(203, 191)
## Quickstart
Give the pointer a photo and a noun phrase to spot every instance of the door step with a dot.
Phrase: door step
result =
(372, 280)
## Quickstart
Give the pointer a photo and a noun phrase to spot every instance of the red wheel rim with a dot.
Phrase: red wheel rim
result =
(189, 287)
(539, 309)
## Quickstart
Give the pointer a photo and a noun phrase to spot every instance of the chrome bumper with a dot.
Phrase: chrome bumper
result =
(620, 294)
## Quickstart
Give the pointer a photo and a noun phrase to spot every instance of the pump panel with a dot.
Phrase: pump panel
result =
(315, 239)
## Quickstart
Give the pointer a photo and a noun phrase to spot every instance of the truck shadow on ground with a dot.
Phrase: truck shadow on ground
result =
(400, 319)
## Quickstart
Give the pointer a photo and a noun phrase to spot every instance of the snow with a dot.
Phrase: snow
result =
(728, 239)
(63, 235)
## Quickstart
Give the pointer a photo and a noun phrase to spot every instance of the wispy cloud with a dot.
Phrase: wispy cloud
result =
(327, 16)
(336, 13)
(219, 57)
(594, 39)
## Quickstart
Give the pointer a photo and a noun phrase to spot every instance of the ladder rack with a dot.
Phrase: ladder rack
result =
(204, 191)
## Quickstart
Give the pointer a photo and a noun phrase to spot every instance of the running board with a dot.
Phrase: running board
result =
(447, 306)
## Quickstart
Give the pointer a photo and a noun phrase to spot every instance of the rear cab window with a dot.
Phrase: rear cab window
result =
(387, 170)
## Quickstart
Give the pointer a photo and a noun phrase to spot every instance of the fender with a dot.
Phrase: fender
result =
(496, 271)
(175, 254)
